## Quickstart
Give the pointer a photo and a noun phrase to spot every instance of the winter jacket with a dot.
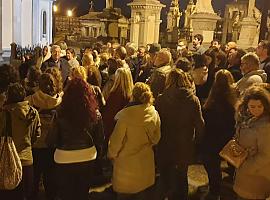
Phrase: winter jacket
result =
(62, 64)
(130, 147)
(46, 106)
(181, 126)
(25, 128)
(158, 79)
(265, 65)
(219, 128)
(252, 180)
(65, 136)
(115, 102)
(257, 76)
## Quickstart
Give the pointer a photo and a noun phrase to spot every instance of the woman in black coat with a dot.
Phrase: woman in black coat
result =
(181, 127)
(218, 113)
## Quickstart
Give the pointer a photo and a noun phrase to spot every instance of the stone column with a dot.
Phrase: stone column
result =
(251, 6)
(1, 13)
(143, 35)
(204, 20)
(204, 24)
(157, 27)
(248, 29)
(148, 10)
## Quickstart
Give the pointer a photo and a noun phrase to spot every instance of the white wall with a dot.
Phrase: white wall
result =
(22, 22)
(7, 29)
(26, 23)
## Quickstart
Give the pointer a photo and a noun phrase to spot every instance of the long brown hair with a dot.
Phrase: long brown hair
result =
(222, 92)
(178, 78)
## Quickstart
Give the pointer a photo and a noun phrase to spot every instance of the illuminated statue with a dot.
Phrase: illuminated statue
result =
(109, 3)
(204, 6)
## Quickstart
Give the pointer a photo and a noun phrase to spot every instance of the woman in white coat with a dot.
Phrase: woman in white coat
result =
(130, 146)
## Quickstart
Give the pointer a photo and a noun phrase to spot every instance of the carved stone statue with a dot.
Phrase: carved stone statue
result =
(204, 6)
(109, 3)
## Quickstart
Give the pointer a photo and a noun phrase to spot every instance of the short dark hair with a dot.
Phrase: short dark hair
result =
(8, 74)
(266, 45)
(199, 37)
(47, 84)
(71, 50)
(199, 60)
(215, 40)
(184, 64)
(15, 93)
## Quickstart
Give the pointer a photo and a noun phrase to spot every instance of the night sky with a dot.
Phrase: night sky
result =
(81, 7)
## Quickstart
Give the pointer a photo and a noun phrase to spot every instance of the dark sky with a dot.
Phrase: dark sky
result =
(81, 7)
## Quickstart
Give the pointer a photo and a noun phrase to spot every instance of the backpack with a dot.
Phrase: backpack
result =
(10, 163)
(47, 117)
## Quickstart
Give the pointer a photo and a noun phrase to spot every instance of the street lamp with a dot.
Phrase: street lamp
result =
(69, 14)
(55, 8)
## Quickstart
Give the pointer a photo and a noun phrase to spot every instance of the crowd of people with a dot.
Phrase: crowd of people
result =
(146, 111)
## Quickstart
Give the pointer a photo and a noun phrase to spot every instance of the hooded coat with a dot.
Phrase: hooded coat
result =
(130, 147)
(181, 126)
(44, 103)
(25, 128)
(257, 76)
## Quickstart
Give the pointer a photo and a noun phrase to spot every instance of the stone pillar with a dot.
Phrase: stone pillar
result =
(249, 28)
(157, 27)
(251, 6)
(17, 23)
(1, 13)
(204, 20)
(204, 24)
(145, 20)
(143, 34)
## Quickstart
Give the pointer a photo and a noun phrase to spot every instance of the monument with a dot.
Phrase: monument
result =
(145, 21)
(249, 34)
(109, 3)
(204, 20)
(191, 8)
(107, 25)
(173, 20)
(173, 16)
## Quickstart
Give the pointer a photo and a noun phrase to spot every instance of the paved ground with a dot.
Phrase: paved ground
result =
(198, 182)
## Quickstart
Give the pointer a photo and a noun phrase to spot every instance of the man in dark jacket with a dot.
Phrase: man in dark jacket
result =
(56, 61)
(263, 51)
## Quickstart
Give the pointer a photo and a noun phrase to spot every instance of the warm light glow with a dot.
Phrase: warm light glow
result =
(69, 13)
(55, 9)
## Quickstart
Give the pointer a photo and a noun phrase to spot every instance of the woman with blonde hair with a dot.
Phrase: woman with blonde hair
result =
(181, 127)
(137, 130)
(80, 72)
(252, 179)
(118, 98)
(93, 74)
